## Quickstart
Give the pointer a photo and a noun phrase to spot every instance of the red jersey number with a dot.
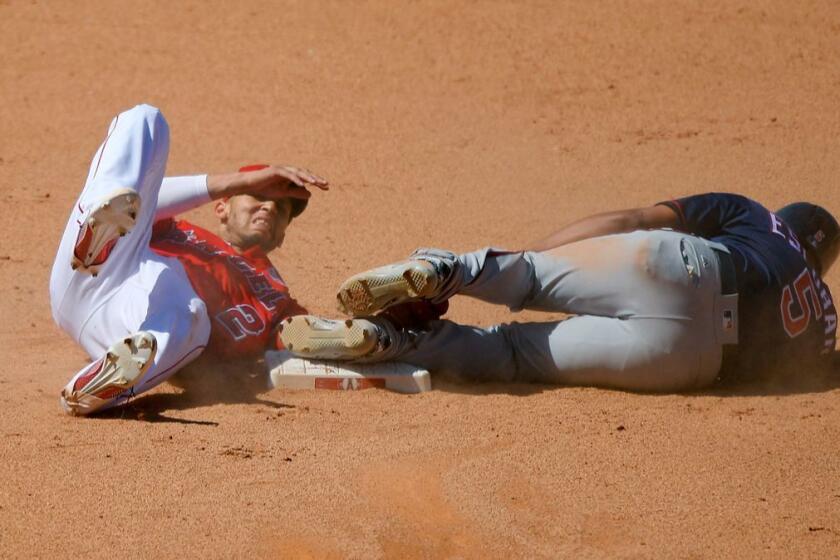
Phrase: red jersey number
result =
(802, 289)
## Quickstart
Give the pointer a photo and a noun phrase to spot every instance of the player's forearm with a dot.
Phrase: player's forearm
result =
(609, 223)
(226, 184)
(593, 226)
(180, 194)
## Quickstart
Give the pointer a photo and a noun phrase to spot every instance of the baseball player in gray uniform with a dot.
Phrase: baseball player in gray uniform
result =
(665, 298)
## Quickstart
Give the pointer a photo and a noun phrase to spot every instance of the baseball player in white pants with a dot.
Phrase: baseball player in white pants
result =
(140, 303)
(134, 311)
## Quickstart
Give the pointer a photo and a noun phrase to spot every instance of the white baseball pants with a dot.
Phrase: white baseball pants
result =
(136, 289)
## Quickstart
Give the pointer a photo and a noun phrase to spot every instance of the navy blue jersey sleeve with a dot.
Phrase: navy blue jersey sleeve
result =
(711, 214)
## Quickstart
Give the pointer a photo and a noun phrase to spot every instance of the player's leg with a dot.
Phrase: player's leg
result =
(635, 354)
(652, 313)
(664, 320)
(157, 304)
(120, 195)
(442, 347)
(130, 164)
(596, 276)
(613, 276)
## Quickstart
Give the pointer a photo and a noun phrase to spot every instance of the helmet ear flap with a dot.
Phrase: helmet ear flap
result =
(816, 228)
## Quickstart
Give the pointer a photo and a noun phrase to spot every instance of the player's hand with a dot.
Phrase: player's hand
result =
(273, 181)
(277, 181)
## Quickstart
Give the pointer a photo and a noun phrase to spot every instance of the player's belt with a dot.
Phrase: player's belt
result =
(728, 282)
(728, 287)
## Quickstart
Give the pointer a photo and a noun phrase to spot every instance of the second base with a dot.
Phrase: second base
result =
(286, 371)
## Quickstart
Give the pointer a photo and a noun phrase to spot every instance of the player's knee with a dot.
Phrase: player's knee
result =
(189, 324)
(192, 321)
(146, 112)
(153, 120)
(200, 320)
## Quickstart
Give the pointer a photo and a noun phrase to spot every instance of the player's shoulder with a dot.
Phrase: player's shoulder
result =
(196, 230)
(730, 198)
(182, 232)
(726, 208)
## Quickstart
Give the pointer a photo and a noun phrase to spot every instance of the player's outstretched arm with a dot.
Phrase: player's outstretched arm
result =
(608, 223)
(274, 181)
(180, 194)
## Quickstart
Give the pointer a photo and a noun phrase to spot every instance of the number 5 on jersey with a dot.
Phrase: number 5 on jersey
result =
(801, 290)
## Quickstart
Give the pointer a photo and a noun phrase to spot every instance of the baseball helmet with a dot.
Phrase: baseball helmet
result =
(816, 228)
(298, 205)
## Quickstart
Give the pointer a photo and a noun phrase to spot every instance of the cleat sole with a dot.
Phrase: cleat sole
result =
(312, 337)
(106, 223)
(377, 289)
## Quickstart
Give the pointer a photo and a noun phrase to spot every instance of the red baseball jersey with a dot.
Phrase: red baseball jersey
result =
(244, 294)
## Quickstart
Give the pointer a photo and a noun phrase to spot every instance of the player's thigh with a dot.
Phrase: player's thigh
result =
(636, 274)
(635, 354)
(158, 298)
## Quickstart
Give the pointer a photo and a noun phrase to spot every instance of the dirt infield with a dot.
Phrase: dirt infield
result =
(454, 124)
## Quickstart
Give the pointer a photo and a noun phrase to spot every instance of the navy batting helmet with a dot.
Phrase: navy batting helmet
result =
(816, 228)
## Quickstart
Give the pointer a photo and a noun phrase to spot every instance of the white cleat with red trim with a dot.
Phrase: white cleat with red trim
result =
(110, 219)
(111, 376)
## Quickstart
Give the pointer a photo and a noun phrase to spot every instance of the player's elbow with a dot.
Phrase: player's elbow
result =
(631, 220)
(652, 217)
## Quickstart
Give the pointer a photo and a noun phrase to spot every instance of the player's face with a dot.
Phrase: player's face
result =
(249, 221)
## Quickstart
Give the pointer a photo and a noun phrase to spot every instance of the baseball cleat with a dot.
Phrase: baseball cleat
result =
(374, 290)
(308, 336)
(111, 376)
(109, 220)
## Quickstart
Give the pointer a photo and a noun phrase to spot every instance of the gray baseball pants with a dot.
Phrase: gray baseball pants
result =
(649, 315)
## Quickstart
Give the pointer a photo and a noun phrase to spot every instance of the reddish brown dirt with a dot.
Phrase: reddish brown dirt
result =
(439, 123)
